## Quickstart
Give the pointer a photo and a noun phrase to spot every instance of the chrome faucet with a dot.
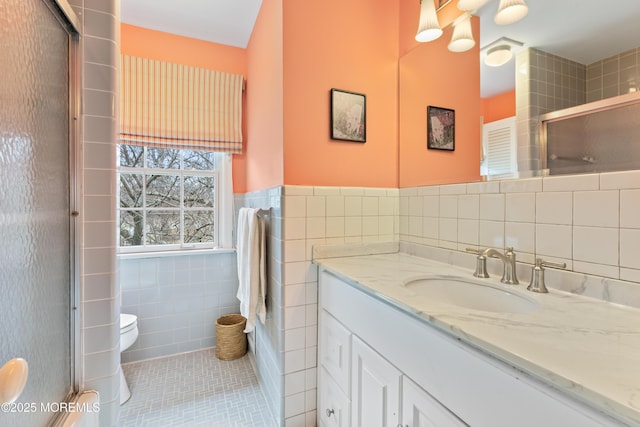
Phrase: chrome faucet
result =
(537, 275)
(508, 259)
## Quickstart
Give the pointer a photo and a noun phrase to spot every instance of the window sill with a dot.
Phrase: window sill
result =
(163, 254)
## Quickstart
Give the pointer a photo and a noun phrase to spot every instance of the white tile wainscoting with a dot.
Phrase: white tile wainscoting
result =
(591, 221)
(303, 216)
(540, 217)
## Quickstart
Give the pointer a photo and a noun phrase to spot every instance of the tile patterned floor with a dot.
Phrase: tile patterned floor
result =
(194, 389)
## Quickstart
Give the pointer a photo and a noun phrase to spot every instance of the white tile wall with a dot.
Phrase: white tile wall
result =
(521, 237)
(630, 208)
(596, 208)
(492, 207)
(448, 206)
(520, 207)
(469, 206)
(630, 248)
(285, 241)
(468, 231)
(539, 217)
(323, 215)
(596, 245)
(554, 208)
(589, 221)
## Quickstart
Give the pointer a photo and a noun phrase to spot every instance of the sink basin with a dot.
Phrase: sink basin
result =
(471, 294)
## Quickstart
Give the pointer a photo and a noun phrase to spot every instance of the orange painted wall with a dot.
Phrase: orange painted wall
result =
(264, 151)
(146, 43)
(350, 45)
(499, 107)
(431, 75)
(298, 52)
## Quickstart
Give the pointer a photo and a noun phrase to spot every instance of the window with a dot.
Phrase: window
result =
(170, 199)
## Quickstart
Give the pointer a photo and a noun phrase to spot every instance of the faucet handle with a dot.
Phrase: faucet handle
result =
(542, 263)
(537, 275)
(481, 267)
(481, 263)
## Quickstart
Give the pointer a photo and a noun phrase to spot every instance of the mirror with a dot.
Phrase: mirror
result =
(461, 82)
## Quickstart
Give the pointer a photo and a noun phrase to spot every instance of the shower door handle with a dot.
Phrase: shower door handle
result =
(13, 378)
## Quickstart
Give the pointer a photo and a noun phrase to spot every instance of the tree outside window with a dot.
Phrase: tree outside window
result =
(167, 198)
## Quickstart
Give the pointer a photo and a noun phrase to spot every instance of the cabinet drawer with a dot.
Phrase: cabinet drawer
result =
(335, 350)
(333, 404)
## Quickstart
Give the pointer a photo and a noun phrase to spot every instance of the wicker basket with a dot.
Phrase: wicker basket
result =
(231, 341)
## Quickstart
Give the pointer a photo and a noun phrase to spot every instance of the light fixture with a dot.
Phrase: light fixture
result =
(429, 28)
(498, 55)
(510, 11)
(462, 38)
(470, 4)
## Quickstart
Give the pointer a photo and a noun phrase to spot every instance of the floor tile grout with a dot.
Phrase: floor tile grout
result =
(194, 389)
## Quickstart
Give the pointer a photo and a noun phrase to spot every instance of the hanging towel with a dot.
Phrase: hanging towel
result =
(251, 266)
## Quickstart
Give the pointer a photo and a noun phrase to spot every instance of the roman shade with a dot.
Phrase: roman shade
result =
(171, 105)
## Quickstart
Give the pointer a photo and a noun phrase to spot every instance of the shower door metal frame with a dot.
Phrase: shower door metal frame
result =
(69, 20)
(579, 110)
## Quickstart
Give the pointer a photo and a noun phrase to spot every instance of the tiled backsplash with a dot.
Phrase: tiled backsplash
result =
(588, 221)
(177, 300)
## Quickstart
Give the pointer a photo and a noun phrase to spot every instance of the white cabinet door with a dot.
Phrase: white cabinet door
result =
(375, 388)
(419, 409)
(335, 354)
(333, 405)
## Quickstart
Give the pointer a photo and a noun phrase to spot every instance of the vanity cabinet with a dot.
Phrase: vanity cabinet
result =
(333, 404)
(419, 409)
(359, 387)
(375, 388)
(381, 365)
(376, 394)
(334, 373)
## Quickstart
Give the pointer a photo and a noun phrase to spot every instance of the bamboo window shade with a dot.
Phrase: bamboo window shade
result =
(167, 105)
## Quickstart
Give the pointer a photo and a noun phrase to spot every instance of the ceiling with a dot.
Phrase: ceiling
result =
(227, 22)
(584, 31)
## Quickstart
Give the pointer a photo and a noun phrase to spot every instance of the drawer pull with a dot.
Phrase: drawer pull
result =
(330, 412)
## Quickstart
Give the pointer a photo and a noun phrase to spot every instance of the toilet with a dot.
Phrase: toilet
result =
(128, 335)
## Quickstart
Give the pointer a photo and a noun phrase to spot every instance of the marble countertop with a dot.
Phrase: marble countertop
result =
(586, 348)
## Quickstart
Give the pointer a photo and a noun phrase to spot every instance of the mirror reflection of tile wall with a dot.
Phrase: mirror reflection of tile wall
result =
(613, 76)
(546, 83)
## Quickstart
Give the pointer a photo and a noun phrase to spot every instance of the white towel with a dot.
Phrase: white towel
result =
(251, 266)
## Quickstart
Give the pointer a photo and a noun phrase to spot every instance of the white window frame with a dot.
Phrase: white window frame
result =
(223, 205)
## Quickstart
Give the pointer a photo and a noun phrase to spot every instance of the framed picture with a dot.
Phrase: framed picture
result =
(441, 3)
(441, 128)
(348, 116)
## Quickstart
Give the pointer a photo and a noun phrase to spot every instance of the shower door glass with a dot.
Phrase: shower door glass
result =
(36, 273)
